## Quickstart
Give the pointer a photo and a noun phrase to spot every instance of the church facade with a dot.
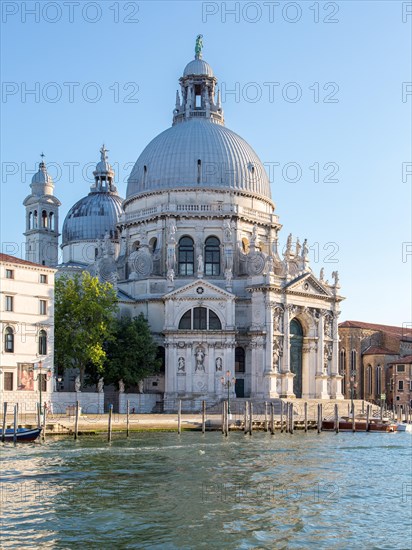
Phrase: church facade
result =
(195, 246)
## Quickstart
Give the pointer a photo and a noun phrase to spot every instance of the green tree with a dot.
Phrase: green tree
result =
(132, 354)
(84, 322)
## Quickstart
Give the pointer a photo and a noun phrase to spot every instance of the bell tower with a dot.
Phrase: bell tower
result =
(42, 219)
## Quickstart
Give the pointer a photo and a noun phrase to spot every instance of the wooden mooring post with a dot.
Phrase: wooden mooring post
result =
(353, 420)
(223, 416)
(272, 418)
(179, 417)
(292, 419)
(127, 417)
(251, 418)
(109, 431)
(266, 416)
(245, 422)
(3, 433)
(281, 417)
(368, 412)
(38, 408)
(43, 432)
(203, 416)
(319, 419)
(305, 409)
(336, 418)
(227, 418)
(16, 408)
(76, 421)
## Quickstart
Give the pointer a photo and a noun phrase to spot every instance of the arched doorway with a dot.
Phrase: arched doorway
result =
(296, 342)
(240, 369)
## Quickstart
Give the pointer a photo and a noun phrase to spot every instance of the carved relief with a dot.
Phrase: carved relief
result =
(181, 364)
(219, 364)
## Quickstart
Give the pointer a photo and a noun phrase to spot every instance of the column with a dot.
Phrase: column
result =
(321, 377)
(336, 378)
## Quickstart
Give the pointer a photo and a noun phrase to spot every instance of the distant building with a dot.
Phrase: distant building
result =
(366, 351)
(27, 329)
(400, 382)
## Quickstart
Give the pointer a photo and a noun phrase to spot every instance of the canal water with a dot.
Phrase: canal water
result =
(164, 491)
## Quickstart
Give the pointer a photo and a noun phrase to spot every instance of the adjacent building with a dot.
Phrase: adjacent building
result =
(27, 328)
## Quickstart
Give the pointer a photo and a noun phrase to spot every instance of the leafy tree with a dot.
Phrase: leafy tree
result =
(84, 322)
(132, 354)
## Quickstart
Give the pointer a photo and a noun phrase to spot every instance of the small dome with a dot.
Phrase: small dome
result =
(41, 177)
(92, 217)
(198, 67)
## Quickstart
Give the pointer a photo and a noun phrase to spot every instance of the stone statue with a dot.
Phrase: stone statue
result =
(289, 244)
(140, 386)
(305, 249)
(121, 386)
(172, 231)
(199, 46)
(77, 384)
(322, 275)
(171, 275)
(181, 364)
(200, 266)
(227, 226)
(200, 357)
(100, 385)
(335, 276)
(219, 364)
(298, 247)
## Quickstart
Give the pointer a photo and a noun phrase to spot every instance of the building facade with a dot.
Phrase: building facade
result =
(400, 382)
(366, 351)
(196, 246)
(27, 329)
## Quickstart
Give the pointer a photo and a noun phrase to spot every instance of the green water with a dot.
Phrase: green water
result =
(164, 491)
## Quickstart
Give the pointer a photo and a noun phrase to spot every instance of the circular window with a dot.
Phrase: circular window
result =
(200, 290)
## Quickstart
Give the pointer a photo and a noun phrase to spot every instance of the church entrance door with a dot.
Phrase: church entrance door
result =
(240, 387)
(296, 342)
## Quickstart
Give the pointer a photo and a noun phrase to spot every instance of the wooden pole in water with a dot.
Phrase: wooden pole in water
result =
(223, 417)
(127, 417)
(266, 416)
(38, 406)
(203, 416)
(281, 417)
(368, 411)
(15, 424)
(3, 433)
(353, 420)
(336, 418)
(43, 432)
(251, 418)
(227, 419)
(319, 419)
(305, 406)
(292, 420)
(272, 418)
(179, 417)
(76, 421)
(109, 432)
(245, 425)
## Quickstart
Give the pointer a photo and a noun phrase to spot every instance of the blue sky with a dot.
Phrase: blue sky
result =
(350, 118)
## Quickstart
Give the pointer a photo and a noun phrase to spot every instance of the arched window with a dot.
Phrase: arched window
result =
(239, 360)
(42, 342)
(212, 256)
(51, 221)
(153, 245)
(369, 379)
(44, 218)
(9, 340)
(378, 381)
(200, 318)
(342, 361)
(30, 221)
(186, 256)
(161, 354)
(353, 360)
(35, 220)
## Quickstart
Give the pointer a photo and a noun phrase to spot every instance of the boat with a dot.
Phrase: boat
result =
(23, 434)
(403, 427)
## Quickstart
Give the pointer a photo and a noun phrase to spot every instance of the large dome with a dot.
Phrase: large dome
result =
(198, 154)
(92, 217)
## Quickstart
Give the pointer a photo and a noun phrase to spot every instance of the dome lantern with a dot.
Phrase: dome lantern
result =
(103, 175)
(198, 91)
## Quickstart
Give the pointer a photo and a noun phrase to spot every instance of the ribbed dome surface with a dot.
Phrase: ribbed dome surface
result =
(171, 161)
(198, 67)
(92, 217)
